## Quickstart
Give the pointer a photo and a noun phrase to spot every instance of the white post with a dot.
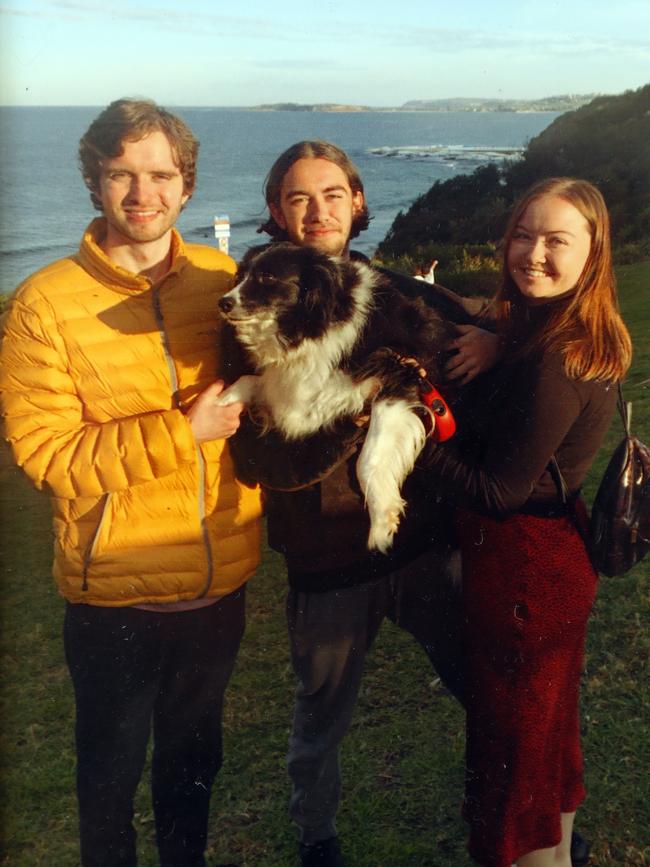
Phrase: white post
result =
(222, 231)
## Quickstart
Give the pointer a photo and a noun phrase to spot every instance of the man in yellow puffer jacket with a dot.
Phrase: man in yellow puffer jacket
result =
(110, 370)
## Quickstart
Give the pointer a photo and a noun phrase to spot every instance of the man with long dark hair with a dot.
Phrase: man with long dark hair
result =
(339, 593)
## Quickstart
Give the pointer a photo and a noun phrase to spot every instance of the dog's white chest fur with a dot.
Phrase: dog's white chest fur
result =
(302, 404)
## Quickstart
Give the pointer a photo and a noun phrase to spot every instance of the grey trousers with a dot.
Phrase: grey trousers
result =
(330, 635)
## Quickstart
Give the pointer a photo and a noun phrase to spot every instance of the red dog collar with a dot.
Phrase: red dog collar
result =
(445, 426)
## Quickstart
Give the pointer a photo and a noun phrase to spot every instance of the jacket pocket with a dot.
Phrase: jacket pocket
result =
(93, 542)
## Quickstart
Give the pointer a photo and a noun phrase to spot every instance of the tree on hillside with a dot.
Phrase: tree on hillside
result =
(464, 209)
(606, 142)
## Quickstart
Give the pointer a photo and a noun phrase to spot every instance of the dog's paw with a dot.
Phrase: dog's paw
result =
(226, 398)
(243, 390)
(384, 525)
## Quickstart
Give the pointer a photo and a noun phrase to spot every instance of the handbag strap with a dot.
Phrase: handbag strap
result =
(625, 410)
(558, 478)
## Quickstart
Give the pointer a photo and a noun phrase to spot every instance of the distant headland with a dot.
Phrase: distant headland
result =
(566, 102)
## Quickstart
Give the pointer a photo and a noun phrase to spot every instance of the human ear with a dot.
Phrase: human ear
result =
(278, 216)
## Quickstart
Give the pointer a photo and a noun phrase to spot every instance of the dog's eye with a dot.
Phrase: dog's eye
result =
(267, 277)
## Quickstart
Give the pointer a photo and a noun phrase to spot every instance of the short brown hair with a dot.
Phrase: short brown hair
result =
(131, 120)
(317, 149)
(589, 331)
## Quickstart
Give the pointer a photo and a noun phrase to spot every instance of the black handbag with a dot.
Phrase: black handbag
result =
(618, 535)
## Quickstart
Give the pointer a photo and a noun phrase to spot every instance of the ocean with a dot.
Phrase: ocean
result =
(45, 205)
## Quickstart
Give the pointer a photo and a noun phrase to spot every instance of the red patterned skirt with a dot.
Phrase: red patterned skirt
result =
(528, 589)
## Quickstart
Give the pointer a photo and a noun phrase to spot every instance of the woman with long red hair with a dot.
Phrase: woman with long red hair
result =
(528, 584)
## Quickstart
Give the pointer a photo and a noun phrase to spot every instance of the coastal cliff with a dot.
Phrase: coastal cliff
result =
(605, 142)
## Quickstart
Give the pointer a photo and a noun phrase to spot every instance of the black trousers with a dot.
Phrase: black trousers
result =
(132, 669)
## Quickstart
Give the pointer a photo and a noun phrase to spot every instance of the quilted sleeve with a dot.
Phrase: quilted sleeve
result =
(58, 449)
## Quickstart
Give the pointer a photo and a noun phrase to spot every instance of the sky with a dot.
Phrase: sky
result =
(379, 53)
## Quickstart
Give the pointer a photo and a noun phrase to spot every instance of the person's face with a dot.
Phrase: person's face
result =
(549, 248)
(317, 205)
(142, 191)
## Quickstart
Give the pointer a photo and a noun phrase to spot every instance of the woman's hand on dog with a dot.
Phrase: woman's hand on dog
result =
(208, 420)
(476, 350)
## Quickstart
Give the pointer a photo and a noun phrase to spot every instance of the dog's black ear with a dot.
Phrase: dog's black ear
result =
(312, 313)
(319, 284)
(245, 262)
(324, 297)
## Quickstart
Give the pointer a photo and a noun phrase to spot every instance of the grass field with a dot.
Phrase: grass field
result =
(403, 759)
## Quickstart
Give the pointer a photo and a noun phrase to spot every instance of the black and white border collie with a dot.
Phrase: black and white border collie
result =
(330, 338)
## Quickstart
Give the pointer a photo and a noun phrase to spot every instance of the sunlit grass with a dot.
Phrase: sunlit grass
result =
(403, 759)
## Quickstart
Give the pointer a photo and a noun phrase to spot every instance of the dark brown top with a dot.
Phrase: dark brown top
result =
(512, 422)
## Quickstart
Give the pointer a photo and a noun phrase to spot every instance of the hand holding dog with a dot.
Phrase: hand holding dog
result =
(477, 350)
(211, 421)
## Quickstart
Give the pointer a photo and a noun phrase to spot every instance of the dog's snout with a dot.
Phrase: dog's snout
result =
(226, 304)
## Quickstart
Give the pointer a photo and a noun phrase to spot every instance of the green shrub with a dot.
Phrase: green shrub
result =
(468, 269)
(481, 281)
(627, 254)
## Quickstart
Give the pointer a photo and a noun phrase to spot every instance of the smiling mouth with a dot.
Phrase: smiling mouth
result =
(534, 272)
(141, 216)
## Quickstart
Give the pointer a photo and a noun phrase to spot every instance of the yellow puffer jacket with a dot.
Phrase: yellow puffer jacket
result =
(97, 368)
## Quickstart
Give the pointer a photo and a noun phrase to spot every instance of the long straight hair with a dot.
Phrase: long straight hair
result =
(588, 329)
(316, 149)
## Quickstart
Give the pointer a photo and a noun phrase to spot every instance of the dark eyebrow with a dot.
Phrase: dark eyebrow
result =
(299, 192)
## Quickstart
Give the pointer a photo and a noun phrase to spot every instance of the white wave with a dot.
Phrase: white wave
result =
(450, 154)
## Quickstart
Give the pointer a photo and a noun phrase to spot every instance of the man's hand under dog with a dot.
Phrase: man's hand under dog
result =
(211, 421)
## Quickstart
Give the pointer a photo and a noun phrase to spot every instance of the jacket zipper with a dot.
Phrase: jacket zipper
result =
(91, 547)
(164, 339)
(204, 529)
